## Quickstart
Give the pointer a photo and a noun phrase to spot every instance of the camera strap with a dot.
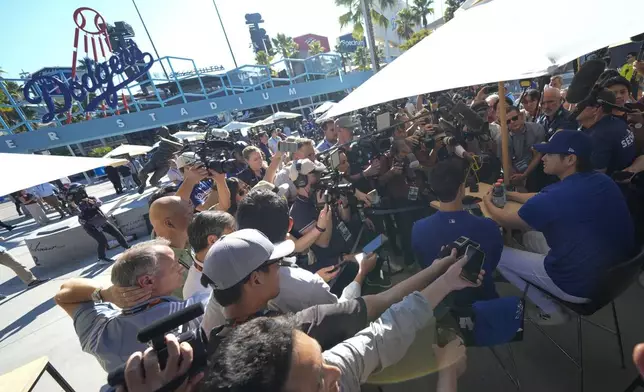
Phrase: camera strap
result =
(144, 306)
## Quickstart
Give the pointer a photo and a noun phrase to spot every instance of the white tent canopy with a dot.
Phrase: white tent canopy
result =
(237, 125)
(479, 46)
(277, 116)
(324, 107)
(31, 170)
(131, 149)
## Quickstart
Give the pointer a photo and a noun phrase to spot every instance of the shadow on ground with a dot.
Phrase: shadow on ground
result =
(26, 319)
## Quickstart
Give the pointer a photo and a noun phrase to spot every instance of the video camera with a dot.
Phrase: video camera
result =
(333, 189)
(215, 153)
(457, 123)
(154, 335)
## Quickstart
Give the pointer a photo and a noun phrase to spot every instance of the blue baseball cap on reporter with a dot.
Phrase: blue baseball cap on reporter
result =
(567, 142)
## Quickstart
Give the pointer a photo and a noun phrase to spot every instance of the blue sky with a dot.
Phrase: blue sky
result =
(38, 33)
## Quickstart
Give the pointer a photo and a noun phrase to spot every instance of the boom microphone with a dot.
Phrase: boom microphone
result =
(467, 116)
(639, 38)
(584, 81)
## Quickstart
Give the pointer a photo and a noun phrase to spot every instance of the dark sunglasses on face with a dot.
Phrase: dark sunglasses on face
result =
(512, 119)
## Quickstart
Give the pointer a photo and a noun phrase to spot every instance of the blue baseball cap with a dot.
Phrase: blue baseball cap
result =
(567, 142)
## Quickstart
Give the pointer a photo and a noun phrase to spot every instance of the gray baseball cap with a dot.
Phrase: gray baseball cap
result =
(348, 122)
(234, 256)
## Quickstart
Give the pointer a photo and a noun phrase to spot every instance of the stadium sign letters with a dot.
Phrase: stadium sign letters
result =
(174, 114)
(98, 78)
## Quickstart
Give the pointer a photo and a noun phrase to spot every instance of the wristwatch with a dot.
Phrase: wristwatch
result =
(96, 295)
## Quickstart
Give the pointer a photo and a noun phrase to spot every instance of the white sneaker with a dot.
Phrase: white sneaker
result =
(542, 318)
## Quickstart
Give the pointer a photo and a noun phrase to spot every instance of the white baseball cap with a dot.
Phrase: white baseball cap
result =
(186, 159)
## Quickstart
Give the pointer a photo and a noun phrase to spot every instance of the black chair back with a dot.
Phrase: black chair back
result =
(617, 280)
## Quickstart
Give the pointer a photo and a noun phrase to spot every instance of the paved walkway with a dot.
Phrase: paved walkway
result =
(31, 325)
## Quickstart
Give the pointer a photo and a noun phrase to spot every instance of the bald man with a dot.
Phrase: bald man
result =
(554, 116)
(170, 217)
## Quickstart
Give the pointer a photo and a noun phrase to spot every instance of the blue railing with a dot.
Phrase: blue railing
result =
(160, 89)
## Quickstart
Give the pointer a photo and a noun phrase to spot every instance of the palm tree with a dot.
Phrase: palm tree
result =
(360, 59)
(286, 47)
(452, 6)
(354, 15)
(421, 8)
(315, 47)
(405, 22)
(263, 58)
(344, 56)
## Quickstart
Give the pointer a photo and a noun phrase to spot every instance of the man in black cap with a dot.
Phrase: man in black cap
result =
(613, 143)
(577, 228)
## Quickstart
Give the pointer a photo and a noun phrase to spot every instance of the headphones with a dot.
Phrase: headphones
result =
(302, 180)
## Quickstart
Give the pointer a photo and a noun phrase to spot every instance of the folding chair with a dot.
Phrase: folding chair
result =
(613, 284)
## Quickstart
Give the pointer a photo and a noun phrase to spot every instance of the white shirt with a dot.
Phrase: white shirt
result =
(193, 284)
(283, 177)
(299, 289)
(175, 175)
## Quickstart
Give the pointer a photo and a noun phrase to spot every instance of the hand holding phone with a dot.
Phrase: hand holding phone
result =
(474, 264)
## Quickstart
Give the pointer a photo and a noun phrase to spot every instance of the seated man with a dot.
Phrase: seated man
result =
(613, 143)
(242, 269)
(143, 278)
(275, 354)
(585, 227)
(523, 135)
(204, 230)
(451, 222)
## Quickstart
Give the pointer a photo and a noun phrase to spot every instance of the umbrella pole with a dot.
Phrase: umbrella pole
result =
(505, 138)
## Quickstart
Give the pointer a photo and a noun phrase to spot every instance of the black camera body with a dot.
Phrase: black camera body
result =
(154, 335)
(460, 245)
(333, 190)
(215, 154)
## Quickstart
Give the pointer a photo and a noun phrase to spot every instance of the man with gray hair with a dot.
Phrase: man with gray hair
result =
(108, 319)
(204, 230)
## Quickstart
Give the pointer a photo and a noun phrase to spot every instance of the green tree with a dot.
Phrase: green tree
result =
(99, 151)
(452, 6)
(414, 39)
(405, 22)
(344, 56)
(354, 15)
(263, 58)
(421, 8)
(286, 47)
(315, 47)
(360, 58)
(9, 114)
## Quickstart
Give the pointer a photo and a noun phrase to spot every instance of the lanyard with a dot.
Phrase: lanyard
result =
(144, 306)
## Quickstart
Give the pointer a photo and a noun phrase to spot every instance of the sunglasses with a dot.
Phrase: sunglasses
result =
(513, 119)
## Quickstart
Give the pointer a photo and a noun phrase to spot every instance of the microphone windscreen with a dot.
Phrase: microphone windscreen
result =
(584, 80)
(473, 121)
(413, 161)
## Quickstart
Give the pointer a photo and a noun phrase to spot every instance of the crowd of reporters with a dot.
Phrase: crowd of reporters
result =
(269, 249)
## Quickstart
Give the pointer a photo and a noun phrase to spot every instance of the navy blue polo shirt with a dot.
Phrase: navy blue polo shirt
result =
(444, 227)
(587, 226)
(613, 144)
